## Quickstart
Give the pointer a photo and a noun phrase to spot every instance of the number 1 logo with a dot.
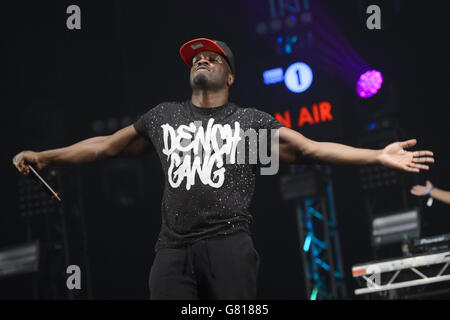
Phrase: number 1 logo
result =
(298, 77)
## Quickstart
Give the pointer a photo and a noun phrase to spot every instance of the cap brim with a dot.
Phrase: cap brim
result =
(191, 48)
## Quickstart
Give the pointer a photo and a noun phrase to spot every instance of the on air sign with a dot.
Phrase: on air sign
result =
(317, 113)
(298, 77)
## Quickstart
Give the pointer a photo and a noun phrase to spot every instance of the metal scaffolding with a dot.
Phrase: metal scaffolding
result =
(311, 188)
(59, 229)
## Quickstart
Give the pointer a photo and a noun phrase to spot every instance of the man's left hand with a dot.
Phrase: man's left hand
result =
(395, 156)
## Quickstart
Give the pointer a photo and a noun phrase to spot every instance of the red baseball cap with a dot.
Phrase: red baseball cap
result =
(191, 48)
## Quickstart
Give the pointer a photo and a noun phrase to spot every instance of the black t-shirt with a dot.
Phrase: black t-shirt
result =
(203, 197)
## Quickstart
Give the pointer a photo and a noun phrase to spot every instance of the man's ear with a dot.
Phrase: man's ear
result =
(230, 80)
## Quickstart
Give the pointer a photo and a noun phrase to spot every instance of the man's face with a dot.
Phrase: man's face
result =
(210, 71)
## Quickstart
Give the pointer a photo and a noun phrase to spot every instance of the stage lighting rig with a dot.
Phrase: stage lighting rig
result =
(288, 26)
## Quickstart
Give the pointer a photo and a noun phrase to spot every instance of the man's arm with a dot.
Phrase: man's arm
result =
(125, 142)
(138, 146)
(296, 148)
(429, 189)
(441, 195)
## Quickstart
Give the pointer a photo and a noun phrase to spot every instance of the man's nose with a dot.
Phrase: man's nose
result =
(203, 61)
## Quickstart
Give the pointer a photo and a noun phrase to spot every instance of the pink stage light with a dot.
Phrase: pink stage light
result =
(369, 83)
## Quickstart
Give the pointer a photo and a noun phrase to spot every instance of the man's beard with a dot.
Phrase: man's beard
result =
(200, 81)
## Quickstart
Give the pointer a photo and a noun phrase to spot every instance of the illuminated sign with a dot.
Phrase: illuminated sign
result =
(273, 76)
(297, 78)
(318, 113)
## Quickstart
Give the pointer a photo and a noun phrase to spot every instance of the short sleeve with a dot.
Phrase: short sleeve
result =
(143, 125)
(139, 126)
(263, 120)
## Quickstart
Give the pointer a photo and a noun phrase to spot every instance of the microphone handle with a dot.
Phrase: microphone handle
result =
(43, 183)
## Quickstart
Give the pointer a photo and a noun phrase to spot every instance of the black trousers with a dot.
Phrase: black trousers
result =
(224, 268)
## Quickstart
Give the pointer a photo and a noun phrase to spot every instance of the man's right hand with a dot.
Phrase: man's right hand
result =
(124, 142)
(23, 158)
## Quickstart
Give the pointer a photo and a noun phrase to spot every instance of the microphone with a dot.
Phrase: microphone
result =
(43, 183)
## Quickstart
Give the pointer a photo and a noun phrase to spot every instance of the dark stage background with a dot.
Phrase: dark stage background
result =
(64, 85)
